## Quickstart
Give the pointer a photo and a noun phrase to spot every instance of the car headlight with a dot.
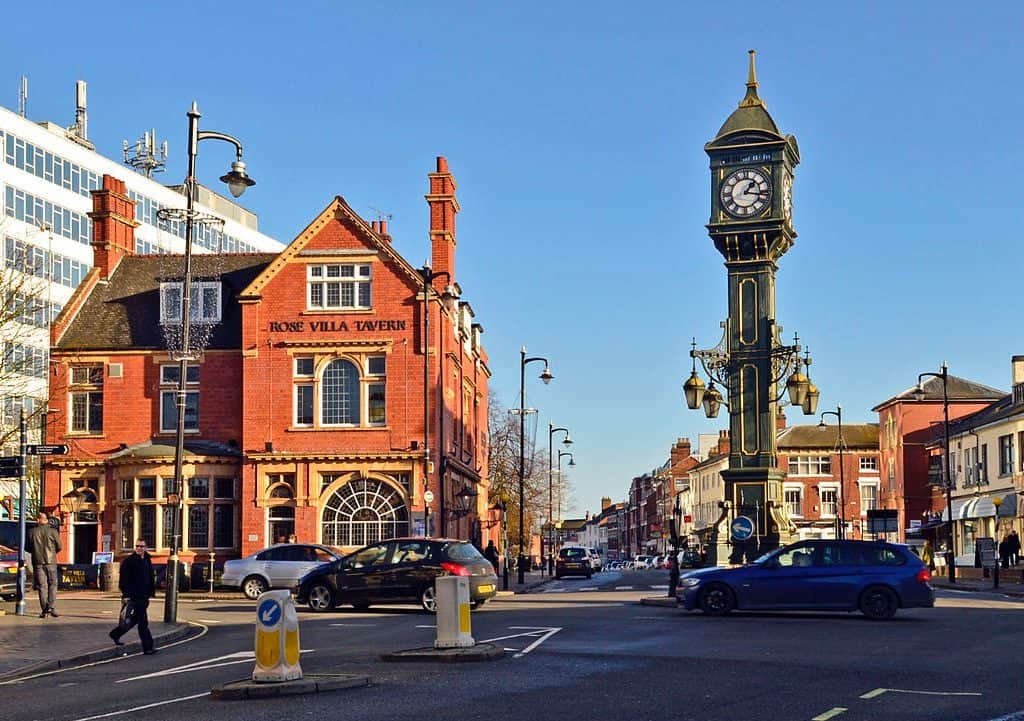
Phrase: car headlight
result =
(689, 581)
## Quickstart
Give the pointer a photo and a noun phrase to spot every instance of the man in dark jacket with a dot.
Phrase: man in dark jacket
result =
(45, 543)
(137, 587)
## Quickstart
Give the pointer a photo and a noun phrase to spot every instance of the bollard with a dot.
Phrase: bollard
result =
(453, 626)
(277, 638)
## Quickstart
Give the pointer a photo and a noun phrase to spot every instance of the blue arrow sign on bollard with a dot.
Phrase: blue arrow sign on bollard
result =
(269, 612)
(742, 528)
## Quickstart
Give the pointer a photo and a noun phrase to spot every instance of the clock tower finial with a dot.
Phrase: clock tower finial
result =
(751, 99)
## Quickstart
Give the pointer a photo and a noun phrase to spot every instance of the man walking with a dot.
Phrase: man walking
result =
(45, 543)
(137, 587)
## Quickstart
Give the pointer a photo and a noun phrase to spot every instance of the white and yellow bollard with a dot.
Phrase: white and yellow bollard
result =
(453, 626)
(277, 638)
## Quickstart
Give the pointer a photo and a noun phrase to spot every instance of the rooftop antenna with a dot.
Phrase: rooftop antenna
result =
(146, 158)
(81, 128)
(23, 96)
(381, 215)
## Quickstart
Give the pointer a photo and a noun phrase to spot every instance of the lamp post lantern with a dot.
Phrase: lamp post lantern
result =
(552, 430)
(237, 181)
(545, 376)
(561, 485)
(919, 394)
(838, 413)
(752, 165)
(448, 298)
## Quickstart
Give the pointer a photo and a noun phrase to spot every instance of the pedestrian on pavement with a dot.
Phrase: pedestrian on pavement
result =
(1004, 551)
(137, 587)
(1014, 548)
(45, 541)
(928, 555)
(491, 554)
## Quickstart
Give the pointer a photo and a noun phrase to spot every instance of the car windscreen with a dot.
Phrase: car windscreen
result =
(462, 552)
(572, 553)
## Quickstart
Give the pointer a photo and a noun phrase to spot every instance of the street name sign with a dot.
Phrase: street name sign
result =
(47, 450)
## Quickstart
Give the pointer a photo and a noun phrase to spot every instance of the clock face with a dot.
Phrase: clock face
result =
(746, 193)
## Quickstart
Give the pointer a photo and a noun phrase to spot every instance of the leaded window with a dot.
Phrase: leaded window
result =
(362, 512)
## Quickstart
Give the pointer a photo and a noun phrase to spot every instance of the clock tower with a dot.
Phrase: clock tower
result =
(751, 225)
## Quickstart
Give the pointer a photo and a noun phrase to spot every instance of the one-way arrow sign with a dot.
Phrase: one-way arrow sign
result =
(50, 450)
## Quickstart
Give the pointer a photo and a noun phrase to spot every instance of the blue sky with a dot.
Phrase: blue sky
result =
(575, 131)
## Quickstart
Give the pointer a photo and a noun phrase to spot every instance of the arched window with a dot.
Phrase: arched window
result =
(339, 401)
(364, 511)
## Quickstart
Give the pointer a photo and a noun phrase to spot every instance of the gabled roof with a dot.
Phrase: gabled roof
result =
(957, 389)
(855, 435)
(337, 209)
(124, 313)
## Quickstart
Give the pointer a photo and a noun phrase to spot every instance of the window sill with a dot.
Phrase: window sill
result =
(322, 429)
(336, 311)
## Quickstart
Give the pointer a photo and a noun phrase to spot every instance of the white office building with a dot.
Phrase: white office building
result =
(46, 174)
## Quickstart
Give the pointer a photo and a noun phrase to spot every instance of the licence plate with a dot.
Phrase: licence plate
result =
(486, 587)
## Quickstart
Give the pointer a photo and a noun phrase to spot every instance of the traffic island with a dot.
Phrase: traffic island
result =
(477, 652)
(310, 683)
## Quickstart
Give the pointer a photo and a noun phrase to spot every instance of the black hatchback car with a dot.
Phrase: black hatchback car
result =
(400, 570)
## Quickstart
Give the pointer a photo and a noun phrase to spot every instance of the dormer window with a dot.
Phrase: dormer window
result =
(205, 302)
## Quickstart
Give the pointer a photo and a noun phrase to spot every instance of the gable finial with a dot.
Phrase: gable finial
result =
(751, 99)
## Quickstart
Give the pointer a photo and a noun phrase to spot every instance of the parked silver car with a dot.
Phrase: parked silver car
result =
(279, 566)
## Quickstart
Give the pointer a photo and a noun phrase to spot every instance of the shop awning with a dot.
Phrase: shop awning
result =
(983, 507)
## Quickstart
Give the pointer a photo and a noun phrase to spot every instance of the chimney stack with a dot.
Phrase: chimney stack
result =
(780, 420)
(113, 225)
(443, 208)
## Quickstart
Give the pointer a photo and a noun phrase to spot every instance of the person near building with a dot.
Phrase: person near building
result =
(491, 554)
(45, 542)
(928, 555)
(137, 587)
(1014, 548)
(1004, 551)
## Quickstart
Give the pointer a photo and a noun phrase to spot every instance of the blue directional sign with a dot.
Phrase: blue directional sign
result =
(742, 528)
(269, 612)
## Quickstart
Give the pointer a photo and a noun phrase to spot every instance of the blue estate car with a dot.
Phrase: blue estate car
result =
(874, 577)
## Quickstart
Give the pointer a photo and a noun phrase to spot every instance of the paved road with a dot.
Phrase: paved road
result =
(578, 653)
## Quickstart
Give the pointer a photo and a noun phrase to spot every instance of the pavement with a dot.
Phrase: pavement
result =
(79, 635)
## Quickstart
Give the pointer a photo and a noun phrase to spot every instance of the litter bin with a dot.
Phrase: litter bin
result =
(110, 574)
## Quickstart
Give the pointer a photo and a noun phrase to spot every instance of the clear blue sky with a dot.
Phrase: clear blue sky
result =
(575, 131)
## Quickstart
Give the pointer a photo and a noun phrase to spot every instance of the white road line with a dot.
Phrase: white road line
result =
(555, 590)
(623, 588)
(588, 588)
(536, 643)
(831, 713)
(228, 660)
(880, 691)
(140, 708)
(357, 625)
(426, 626)
(208, 620)
(659, 588)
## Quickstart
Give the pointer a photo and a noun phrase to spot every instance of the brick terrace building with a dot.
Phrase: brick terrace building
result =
(306, 410)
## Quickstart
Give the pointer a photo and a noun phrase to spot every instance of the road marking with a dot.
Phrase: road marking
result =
(880, 691)
(588, 588)
(208, 620)
(230, 659)
(831, 713)
(659, 588)
(541, 633)
(425, 626)
(555, 590)
(140, 708)
(624, 588)
(357, 625)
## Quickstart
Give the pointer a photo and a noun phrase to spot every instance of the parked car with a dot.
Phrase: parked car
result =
(874, 577)
(690, 559)
(9, 574)
(596, 564)
(279, 566)
(573, 561)
(641, 562)
(401, 570)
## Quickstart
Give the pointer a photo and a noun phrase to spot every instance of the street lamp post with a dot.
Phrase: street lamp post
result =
(997, 502)
(561, 486)
(448, 298)
(545, 376)
(677, 517)
(838, 413)
(237, 181)
(567, 442)
(919, 393)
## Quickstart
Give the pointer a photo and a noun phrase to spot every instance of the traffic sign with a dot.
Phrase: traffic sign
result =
(49, 450)
(269, 612)
(742, 528)
(10, 466)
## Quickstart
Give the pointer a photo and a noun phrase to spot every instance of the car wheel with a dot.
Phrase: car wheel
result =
(878, 603)
(361, 605)
(253, 586)
(476, 604)
(321, 597)
(717, 600)
(428, 599)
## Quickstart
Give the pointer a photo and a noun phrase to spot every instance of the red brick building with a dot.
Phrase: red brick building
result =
(310, 410)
